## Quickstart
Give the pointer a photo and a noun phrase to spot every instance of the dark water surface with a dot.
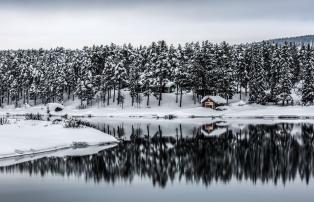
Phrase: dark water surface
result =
(188, 160)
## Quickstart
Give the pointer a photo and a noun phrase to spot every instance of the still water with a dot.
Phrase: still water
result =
(176, 160)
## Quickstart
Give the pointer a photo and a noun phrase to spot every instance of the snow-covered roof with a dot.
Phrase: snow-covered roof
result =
(169, 84)
(215, 133)
(216, 99)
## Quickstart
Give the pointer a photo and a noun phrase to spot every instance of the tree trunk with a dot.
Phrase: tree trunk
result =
(181, 97)
(132, 101)
(2, 97)
(8, 101)
(159, 131)
(137, 100)
(119, 91)
(108, 100)
(24, 97)
(114, 93)
(16, 100)
(147, 103)
(160, 92)
(69, 93)
(148, 131)
(240, 93)
(159, 98)
(180, 131)
(177, 94)
(104, 97)
(27, 94)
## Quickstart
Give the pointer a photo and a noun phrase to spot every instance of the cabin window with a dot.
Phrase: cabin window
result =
(209, 105)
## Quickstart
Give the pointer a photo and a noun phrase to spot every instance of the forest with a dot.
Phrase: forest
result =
(265, 72)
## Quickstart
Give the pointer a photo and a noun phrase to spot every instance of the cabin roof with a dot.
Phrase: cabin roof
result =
(169, 84)
(217, 132)
(215, 99)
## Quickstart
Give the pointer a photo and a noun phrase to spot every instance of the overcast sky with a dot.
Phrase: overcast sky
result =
(76, 23)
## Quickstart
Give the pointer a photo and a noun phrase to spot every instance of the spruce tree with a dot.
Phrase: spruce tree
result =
(257, 84)
(308, 81)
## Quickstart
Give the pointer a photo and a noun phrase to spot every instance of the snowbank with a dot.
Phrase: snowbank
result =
(29, 137)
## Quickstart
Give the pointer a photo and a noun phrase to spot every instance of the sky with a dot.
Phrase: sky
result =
(78, 23)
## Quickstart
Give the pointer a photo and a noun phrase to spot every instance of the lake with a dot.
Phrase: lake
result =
(176, 160)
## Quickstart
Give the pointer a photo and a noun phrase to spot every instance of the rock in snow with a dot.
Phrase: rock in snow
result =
(55, 107)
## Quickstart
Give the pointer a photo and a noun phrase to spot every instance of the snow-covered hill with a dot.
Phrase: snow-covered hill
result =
(298, 40)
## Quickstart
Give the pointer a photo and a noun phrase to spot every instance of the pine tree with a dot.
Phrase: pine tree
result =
(181, 75)
(225, 83)
(308, 81)
(257, 84)
(134, 79)
(284, 85)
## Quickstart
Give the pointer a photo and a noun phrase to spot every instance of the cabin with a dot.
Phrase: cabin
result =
(169, 87)
(213, 102)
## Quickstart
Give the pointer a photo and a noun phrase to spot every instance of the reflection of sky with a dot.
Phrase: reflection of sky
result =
(55, 188)
(75, 23)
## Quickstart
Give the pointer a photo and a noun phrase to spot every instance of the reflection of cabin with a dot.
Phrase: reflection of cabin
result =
(213, 101)
(211, 130)
(209, 127)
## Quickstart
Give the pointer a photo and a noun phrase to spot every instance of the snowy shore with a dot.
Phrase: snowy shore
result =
(232, 111)
(20, 138)
(169, 106)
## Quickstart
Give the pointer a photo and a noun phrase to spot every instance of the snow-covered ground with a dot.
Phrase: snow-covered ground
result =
(235, 109)
(22, 137)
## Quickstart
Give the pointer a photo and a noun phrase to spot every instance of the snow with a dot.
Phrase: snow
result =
(22, 137)
(216, 99)
(236, 108)
(240, 103)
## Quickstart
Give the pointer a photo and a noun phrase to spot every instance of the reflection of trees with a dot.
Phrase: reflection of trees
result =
(261, 152)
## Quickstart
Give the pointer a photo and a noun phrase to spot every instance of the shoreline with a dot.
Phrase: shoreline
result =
(246, 111)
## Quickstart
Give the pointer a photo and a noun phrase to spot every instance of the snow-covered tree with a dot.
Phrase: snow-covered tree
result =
(308, 75)
(257, 82)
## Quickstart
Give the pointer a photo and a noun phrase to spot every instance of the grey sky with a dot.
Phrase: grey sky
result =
(75, 23)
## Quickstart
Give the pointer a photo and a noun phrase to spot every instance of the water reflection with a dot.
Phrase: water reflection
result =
(267, 153)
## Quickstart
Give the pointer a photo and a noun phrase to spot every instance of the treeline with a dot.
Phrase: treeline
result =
(264, 71)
